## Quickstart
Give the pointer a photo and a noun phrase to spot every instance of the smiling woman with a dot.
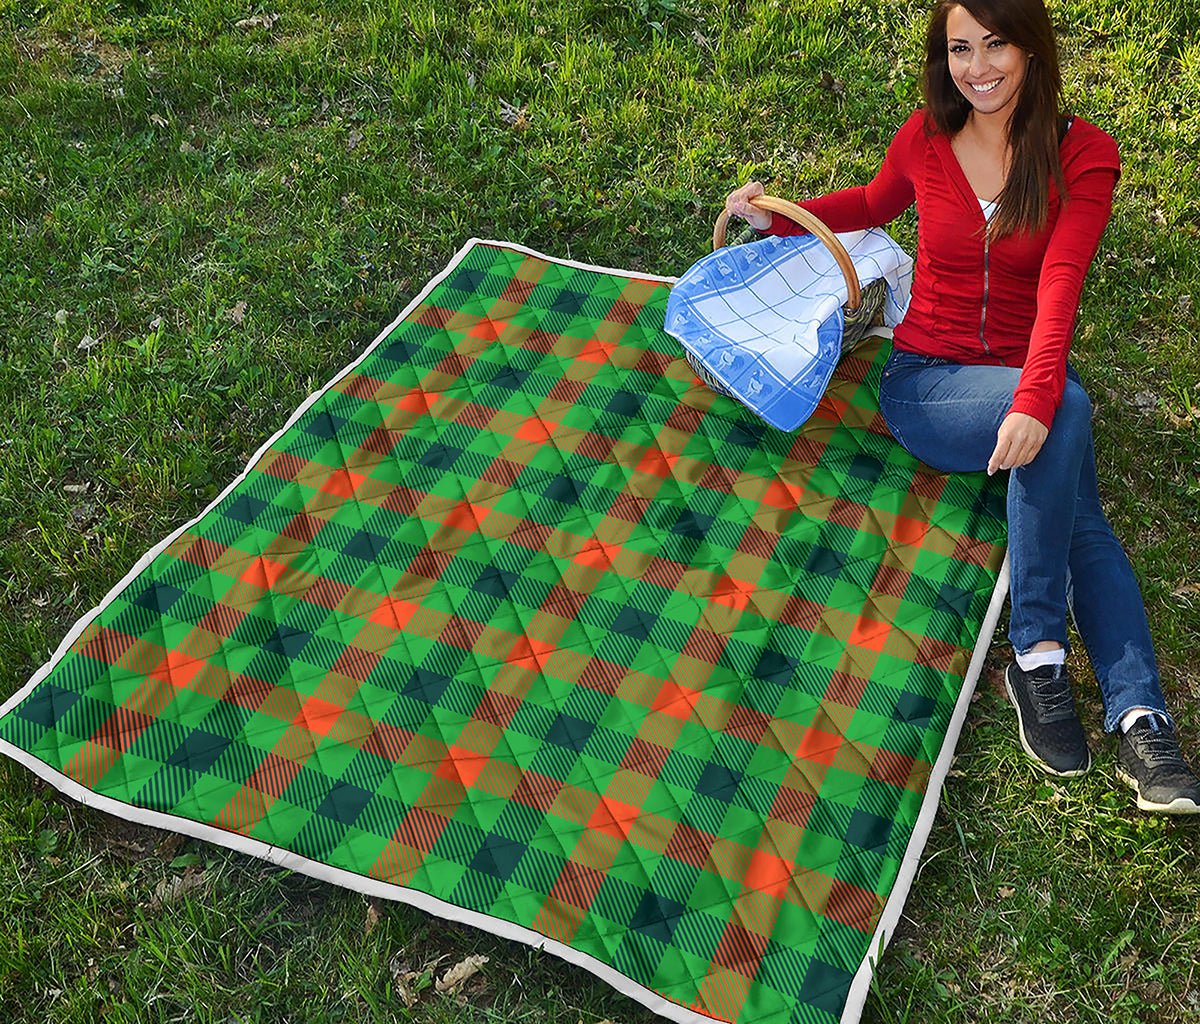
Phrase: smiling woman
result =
(1012, 198)
(987, 69)
(997, 90)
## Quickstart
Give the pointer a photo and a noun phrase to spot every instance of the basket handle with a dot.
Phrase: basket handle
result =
(806, 220)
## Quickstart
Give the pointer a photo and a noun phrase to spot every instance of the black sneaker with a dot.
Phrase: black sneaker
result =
(1149, 760)
(1050, 729)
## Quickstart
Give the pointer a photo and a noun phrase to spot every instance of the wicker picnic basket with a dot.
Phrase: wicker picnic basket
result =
(863, 305)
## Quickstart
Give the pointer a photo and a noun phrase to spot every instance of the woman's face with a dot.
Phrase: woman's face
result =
(987, 69)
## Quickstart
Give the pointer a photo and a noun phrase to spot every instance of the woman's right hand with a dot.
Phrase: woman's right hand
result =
(737, 204)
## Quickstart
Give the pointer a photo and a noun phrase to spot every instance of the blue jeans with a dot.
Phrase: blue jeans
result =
(1062, 550)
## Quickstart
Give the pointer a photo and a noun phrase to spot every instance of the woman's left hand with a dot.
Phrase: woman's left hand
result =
(1018, 441)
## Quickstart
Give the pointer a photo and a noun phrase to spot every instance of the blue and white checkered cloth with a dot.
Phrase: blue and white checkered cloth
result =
(765, 319)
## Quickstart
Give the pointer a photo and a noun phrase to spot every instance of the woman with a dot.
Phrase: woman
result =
(1012, 198)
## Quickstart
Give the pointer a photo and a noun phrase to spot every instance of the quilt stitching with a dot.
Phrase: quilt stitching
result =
(519, 615)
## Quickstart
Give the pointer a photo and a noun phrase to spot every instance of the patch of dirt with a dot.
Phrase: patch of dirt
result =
(85, 55)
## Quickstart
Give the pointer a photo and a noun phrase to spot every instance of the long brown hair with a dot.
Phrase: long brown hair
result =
(1036, 124)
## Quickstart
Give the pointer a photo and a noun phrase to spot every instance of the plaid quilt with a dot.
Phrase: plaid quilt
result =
(518, 622)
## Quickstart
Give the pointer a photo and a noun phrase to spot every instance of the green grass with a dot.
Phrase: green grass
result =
(232, 214)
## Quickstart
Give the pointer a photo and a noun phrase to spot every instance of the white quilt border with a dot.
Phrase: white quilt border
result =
(890, 915)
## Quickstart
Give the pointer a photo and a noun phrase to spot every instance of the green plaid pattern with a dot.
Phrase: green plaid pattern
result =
(519, 615)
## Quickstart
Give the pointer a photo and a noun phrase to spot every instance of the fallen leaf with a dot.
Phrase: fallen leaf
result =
(404, 990)
(60, 317)
(186, 147)
(1005, 892)
(158, 120)
(514, 116)
(372, 917)
(156, 323)
(403, 977)
(257, 21)
(171, 889)
(238, 313)
(130, 850)
(1145, 400)
(354, 139)
(460, 972)
(87, 341)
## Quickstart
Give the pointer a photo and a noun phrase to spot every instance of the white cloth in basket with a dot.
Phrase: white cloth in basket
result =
(766, 318)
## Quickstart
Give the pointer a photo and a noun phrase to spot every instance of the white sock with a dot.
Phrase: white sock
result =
(1036, 659)
(1130, 717)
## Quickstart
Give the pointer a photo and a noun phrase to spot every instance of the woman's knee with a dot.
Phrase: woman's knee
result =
(1070, 435)
(1073, 420)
